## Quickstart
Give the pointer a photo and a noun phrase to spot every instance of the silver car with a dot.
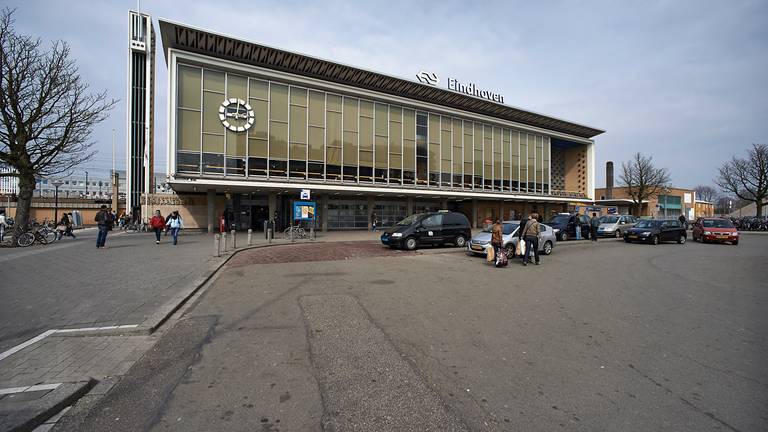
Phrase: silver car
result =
(615, 225)
(480, 242)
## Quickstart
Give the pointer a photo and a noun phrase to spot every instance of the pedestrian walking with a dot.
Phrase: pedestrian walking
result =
(594, 222)
(497, 241)
(64, 227)
(521, 239)
(373, 222)
(70, 231)
(531, 236)
(3, 225)
(683, 222)
(158, 224)
(102, 220)
(175, 224)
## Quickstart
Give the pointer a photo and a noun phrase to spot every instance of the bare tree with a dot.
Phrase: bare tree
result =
(706, 193)
(642, 180)
(747, 178)
(47, 112)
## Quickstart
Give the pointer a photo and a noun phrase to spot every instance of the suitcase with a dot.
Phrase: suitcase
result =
(501, 259)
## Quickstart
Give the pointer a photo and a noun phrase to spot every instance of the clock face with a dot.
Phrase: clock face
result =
(236, 115)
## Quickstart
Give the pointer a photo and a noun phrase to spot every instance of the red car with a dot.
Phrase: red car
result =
(717, 230)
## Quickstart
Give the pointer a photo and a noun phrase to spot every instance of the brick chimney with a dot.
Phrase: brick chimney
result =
(609, 180)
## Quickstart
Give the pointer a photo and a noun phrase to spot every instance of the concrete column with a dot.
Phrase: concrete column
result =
(272, 205)
(409, 205)
(324, 212)
(370, 211)
(475, 209)
(444, 204)
(211, 203)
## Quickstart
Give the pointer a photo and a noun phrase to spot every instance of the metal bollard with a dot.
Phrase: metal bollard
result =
(234, 241)
(250, 237)
(269, 235)
(224, 241)
(217, 245)
(291, 235)
(266, 226)
(311, 233)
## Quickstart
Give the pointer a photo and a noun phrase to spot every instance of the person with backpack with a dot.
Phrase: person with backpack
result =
(157, 223)
(175, 225)
(531, 236)
(102, 220)
(521, 239)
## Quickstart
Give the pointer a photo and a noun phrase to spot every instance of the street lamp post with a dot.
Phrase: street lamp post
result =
(86, 184)
(56, 184)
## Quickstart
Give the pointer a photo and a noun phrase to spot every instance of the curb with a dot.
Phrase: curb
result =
(35, 413)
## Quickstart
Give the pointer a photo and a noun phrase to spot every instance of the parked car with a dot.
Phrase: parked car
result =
(717, 230)
(656, 231)
(615, 225)
(436, 229)
(481, 241)
(564, 225)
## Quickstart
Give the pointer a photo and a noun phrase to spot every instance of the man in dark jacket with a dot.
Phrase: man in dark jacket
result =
(523, 221)
(594, 222)
(102, 220)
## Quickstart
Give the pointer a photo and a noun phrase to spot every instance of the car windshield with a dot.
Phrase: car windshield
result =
(609, 219)
(559, 219)
(646, 224)
(717, 223)
(410, 220)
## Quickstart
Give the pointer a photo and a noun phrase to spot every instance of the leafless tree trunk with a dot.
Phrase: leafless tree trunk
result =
(47, 113)
(642, 180)
(747, 178)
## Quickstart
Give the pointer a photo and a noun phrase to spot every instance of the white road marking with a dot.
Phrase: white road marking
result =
(47, 333)
(38, 387)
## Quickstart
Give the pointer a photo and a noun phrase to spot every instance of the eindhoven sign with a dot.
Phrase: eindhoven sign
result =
(454, 84)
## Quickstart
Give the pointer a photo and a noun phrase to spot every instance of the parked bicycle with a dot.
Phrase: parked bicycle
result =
(42, 235)
(298, 232)
(136, 227)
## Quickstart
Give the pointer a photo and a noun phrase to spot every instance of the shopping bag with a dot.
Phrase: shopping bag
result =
(490, 256)
(501, 259)
(521, 247)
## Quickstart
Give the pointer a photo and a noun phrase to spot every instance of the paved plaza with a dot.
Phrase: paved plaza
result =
(604, 336)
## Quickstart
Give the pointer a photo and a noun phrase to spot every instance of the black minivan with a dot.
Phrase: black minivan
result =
(565, 224)
(436, 229)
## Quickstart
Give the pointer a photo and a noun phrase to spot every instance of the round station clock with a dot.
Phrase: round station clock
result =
(236, 115)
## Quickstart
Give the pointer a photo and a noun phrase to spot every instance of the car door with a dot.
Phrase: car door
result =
(430, 231)
(667, 231)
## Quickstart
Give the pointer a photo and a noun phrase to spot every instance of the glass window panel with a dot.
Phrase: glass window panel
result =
(395, 145)
(350, 114)
(515, 159)
(531, 160)
(278, 109)
(188, 130)
(211, 120)
(334, 156)
(316, 108)
(213, 163)
(213, 80)
(468, 142)
(381, 152)
(189, 87)
(260, 114)
(366, 159)
(235, 166)
(333, 102)
(278, 140)
(188, 162)
(213, 143)
(409, 154)
(366, 134)
(333, 137)
(350, 148)
(259, 89)
(381, 119)
(366, 108)
(236, 143)
(523, 161)
(237, 87)
(316, 143)
(298, 124)
(257, 147)
(298, 96)
(395, 113)
(298, 151)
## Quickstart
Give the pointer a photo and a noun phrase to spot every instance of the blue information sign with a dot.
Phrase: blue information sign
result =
(303, 210)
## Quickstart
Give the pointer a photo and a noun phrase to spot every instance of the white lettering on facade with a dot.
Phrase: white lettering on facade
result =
(471, 89)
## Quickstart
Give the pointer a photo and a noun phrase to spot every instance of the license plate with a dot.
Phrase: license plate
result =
(477, 248)
(632, 236)
(722, 237)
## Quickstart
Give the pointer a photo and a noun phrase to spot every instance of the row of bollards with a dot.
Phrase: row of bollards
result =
(222, 242)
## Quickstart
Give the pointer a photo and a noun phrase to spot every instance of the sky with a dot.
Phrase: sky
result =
(681, 81)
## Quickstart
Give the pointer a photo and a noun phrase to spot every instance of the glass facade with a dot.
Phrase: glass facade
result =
(310, 135)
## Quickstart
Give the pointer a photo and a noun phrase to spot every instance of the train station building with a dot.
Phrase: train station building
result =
(251, 127)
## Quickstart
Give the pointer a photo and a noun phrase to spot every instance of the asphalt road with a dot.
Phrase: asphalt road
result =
(605, 336)
(71, 284)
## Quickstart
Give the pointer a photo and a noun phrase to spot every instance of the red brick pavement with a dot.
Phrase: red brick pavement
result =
(313, 252)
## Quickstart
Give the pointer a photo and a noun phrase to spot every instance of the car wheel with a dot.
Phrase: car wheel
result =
(509, 249)
(547, 247)
(617, 234)
(410, 243)
(681, 239)
(460, 241)
(564, 236)
(655, 239)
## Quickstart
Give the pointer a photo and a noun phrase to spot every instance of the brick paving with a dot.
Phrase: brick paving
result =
(306, 252)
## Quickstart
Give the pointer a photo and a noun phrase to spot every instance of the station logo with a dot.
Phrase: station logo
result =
(236, 115)
(430, 78)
